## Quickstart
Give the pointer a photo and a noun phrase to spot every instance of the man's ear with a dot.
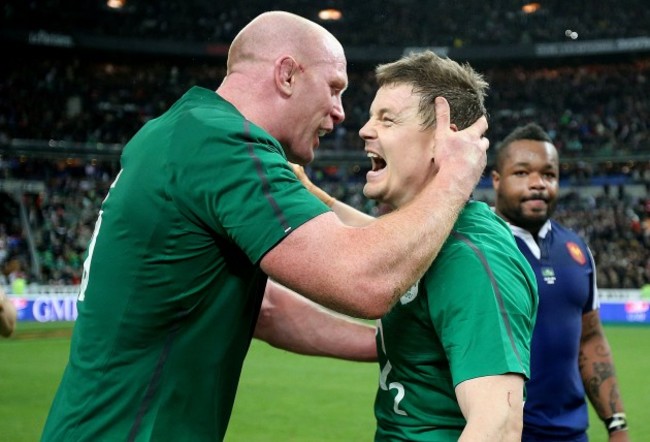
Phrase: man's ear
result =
(285, 74)
(495, 179)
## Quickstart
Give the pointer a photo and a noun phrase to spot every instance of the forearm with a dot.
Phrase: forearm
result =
(597, 369)
(291, 322)
(508, 430)
(346, 213)
(7, 315)
(601, 384)
(493, 407)
(362, 271)
(349, 215)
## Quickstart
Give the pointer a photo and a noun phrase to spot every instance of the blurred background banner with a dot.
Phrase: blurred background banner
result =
(59, 303)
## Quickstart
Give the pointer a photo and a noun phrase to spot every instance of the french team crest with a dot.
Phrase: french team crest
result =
(576, 253)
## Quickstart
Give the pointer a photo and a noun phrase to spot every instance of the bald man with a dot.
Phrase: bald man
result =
(206, 209)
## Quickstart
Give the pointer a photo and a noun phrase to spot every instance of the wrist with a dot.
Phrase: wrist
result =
(453, 184)
(322, 195)
(618, 422)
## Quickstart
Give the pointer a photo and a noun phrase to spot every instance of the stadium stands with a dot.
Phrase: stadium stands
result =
(87, 81)
(368, 23)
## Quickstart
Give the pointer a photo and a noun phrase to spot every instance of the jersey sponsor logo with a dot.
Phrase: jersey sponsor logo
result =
(548, 274)
(410, 295)
(576, 253)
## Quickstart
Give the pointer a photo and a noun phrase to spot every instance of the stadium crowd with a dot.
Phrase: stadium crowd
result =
(420, 23)
(617, 228)
(595, 112)
(61, 219)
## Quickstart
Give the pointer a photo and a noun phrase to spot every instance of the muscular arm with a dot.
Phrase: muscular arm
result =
(362, 271)
(493, 407)
(7, 315)
(598, 372)
(293, 323)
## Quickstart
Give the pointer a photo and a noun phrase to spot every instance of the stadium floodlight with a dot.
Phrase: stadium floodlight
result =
(115, 4)
(531, 8)
(330, 14)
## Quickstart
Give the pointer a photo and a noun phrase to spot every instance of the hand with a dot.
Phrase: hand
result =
(619, 436)
(463, 154)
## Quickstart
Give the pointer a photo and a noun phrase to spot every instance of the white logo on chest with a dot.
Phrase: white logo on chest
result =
(410, 295)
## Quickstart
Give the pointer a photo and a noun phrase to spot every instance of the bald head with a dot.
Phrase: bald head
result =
(276, 33)
(287, 74)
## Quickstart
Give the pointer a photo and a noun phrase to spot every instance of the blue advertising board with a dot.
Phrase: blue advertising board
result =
(628, 312)
(46, 308)
(618, 307)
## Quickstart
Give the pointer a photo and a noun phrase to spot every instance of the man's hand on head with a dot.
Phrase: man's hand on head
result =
(462, 153)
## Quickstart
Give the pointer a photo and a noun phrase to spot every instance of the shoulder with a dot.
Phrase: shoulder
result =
(203, 112)
(479, 229)
(471, 249)
(564, 233)
(478, 217)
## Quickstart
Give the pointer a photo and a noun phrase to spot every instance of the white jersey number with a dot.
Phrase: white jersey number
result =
(384, 376)
(91, 247)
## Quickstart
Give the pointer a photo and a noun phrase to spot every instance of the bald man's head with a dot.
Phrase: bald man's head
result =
(287, 75)
(276, 33)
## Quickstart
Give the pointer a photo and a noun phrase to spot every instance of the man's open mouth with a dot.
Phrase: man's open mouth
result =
(377, 162)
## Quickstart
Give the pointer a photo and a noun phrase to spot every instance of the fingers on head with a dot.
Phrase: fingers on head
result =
(442, 112)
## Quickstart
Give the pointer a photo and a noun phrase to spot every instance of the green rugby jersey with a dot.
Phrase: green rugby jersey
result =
(471, 315)
(172, 285)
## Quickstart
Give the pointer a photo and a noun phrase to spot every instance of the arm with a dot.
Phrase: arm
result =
(598, 372)
(493, 407)
(7, 315)
(346, 213)
(293, 323)
(362, 271)
(350, 216)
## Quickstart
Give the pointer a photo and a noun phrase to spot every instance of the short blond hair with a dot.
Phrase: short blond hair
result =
(433, 76)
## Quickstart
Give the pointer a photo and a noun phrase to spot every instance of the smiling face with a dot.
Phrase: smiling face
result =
(400, 149)
(527, 183)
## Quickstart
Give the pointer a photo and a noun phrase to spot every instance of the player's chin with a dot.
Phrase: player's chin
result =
(372, 192)
(367, 191)
(536, 218)
(537, 212)
(308, 156)
(302, 157)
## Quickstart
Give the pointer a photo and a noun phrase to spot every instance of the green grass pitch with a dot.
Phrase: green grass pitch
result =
(282, 396)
